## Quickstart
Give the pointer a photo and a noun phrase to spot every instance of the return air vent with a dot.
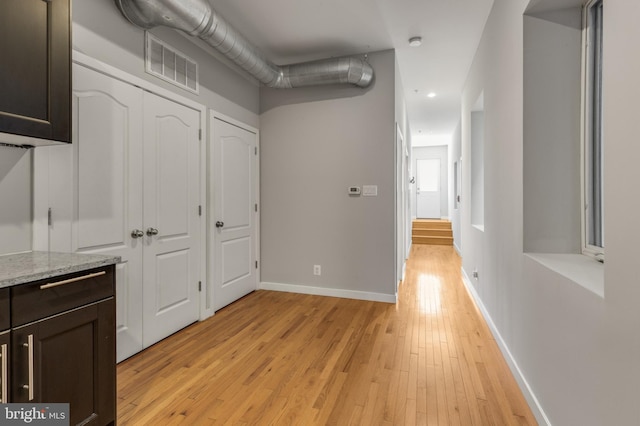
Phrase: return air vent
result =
(167, 63)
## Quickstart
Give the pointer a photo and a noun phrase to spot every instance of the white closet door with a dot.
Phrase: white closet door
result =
(106, 203)
(233, 227)
(171, 197)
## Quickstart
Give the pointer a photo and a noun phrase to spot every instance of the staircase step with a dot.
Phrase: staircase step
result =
(428, 232)
(441, 241)
(431, 224)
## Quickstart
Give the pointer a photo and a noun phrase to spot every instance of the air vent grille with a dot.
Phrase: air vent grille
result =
(169, 64)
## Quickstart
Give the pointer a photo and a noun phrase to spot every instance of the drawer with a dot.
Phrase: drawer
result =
(41, 299)
(5, 321)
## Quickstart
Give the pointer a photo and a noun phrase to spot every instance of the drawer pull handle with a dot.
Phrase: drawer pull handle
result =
(5, 376)
(29, 386)
(72, 280)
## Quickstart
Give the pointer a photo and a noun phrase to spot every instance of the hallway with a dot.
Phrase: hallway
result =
(284, 358)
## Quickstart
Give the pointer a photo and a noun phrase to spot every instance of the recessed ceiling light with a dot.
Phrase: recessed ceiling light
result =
(415, 41)
(431, 95)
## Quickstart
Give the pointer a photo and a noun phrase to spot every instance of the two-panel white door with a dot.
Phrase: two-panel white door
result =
(233, 220)
(135, 194)
(171, 217)
(105, 198)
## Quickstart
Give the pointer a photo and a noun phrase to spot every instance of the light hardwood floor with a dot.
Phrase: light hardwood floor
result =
(289, 359)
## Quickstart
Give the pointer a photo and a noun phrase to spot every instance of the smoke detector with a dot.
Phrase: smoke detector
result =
(415, 41)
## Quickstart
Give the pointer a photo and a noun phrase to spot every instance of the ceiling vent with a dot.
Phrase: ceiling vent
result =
(169, 64)
(198, 19)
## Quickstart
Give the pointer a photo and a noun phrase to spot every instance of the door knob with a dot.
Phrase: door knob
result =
(136, 233)
(219, 224)
(152, 231)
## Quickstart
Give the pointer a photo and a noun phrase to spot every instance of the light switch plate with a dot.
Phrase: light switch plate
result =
(370, 190)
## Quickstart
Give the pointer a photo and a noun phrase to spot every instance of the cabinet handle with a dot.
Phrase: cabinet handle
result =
(4, 399)
(29, 386)
(72, 280)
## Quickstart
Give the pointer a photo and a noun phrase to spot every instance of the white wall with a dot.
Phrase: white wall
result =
(621, 345)
(575, 351)
(315, 143)
(15, 200)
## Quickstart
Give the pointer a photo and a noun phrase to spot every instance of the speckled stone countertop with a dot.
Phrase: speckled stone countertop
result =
(32, 266)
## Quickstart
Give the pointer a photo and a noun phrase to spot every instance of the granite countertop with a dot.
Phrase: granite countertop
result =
(32, 266)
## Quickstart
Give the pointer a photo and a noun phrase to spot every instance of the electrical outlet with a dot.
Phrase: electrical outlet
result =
(475, 274)
(317, 270)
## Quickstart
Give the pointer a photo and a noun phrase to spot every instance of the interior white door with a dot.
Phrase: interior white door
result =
(233, 219)
(106, 202)
(428, 188)
(171, 203)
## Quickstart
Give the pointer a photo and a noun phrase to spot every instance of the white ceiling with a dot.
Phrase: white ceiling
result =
(290, 31)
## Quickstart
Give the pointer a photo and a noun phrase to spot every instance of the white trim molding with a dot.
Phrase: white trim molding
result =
(533, 402)
(331, 292)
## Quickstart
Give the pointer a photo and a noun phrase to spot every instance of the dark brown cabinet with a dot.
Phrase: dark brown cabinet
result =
(35, 68)
(62, 344)
(5, 344)
(5, 320)
(5, 362)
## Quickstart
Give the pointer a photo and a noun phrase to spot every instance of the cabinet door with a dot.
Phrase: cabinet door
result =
(5, 345)
(35, 73)
(5, 319)
(69, 358)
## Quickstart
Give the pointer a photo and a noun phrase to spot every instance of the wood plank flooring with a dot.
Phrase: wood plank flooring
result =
(289, 359)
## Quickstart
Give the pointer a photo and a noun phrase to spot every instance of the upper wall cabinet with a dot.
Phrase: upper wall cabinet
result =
(35, 71)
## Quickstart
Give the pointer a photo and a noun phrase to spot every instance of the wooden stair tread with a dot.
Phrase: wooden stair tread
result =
(435, 232)
(432, 231)
(448, 241)
(431, 224)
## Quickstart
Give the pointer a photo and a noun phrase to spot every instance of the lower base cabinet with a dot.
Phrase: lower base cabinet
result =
(5, 343)
(61, 346)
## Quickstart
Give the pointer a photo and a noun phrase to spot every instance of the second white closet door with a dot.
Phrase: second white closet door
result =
(171, 219)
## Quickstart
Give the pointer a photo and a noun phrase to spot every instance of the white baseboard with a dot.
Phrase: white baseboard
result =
(332, 292)
(533, 402)
(455, 246)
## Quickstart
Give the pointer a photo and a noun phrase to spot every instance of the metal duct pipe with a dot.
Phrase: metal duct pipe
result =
(197, 18)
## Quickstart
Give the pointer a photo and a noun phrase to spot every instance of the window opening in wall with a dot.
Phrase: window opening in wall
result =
(593, 154)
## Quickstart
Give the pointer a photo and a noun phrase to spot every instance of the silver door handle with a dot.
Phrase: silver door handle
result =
(219, 224)
(136, 233)
(152, 231)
